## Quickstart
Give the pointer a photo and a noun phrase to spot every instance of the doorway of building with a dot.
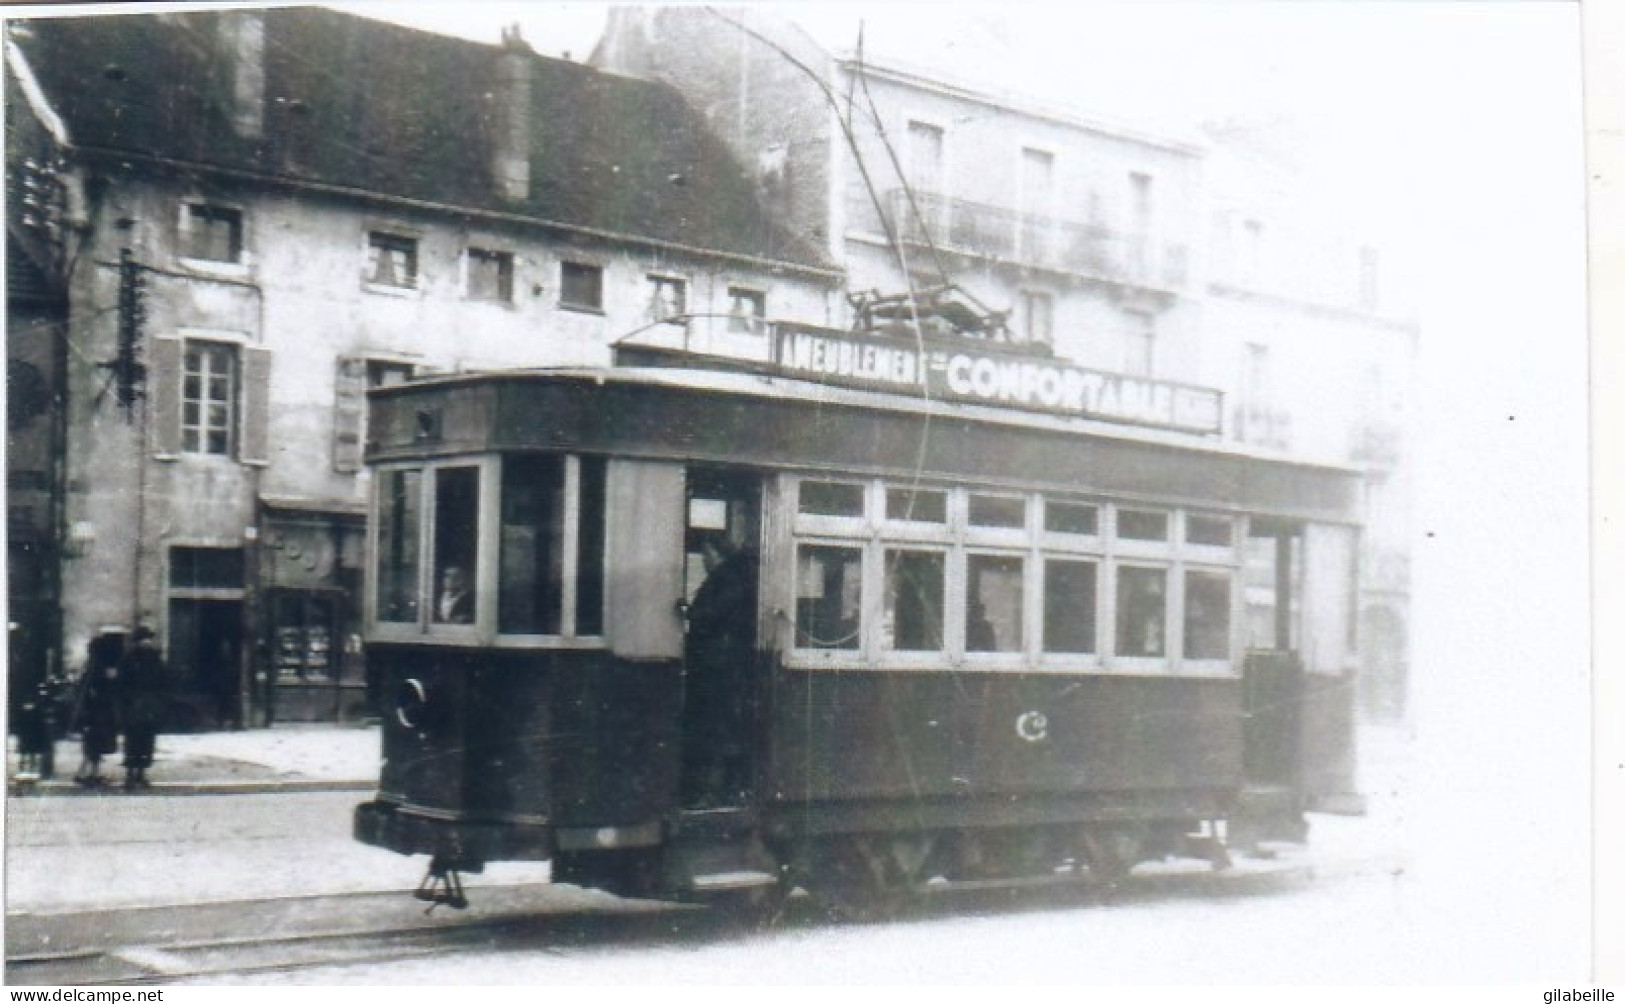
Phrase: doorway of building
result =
(205, 661)
(722, 685)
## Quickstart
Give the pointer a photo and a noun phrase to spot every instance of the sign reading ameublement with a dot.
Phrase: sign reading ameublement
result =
(983, 375)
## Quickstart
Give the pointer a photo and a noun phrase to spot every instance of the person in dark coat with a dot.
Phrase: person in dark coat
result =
(718, 684)
(96, 708)
(141, 686)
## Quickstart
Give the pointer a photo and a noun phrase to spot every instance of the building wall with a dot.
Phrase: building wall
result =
(299, 303)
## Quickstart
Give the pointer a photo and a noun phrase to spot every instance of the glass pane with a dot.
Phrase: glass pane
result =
(1142, 611)
(399, 504)
(456, 535)
(1070, 517)
(1069, 606)
(830, 498)
(998, 510)
(1207, 614)
(1137, 524)
(918, 506)
(590, 549)
(1213, 531)
(993, 603)
(530, 595)
(829, 591)
(914, 601)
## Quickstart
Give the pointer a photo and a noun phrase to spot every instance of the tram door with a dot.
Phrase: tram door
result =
(1273, 669)
(722, 684)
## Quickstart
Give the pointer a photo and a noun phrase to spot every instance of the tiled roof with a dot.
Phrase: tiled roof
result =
(375, 107)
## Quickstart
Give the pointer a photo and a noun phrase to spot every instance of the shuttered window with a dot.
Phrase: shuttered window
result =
(210, 398)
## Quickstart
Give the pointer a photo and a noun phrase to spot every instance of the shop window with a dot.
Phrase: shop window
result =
(1138, 524)
(831, 498)
(747, 310)
(993, 603)
(399, 521)
(1071, 517)
(1069, 606)
(490, 275)
(829, 589)
(914, 601)
(208, 398)
(998, 511)
(392, 260)
(1208, 531)
(212, 233)
(914, 505)
(668, 299)
(581, 286)
(1207, 614)
(304, 630)
(1142, 612)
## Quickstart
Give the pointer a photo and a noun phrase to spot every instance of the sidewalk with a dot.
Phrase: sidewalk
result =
(293, 757)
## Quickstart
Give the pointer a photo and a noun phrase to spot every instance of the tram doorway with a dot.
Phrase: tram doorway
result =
(722, 685)
(1273, 669)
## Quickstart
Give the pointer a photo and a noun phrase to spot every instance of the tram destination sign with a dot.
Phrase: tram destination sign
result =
(983, 375)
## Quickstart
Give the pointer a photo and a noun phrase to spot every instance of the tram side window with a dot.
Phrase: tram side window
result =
(831, 498)
(399, 495)
(590, 547)
(914, 607)
(1142, 611)
(829, 588)
(1207, 614)
(532, 563)
(993, 603)
(456, 537)
(1069, 606)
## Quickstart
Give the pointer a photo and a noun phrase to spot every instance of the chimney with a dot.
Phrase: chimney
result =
(242, 35)
(511, 149)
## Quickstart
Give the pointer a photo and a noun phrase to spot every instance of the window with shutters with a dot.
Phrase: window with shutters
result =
(355, 376)
(208, 398)
(392, 260)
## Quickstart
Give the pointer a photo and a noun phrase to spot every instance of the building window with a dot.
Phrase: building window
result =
(668, 299)
(355, 376)
(206, 568)
(581, 286)
(212, 233)
(1036, 317)
(490, 275)
(1370, 272)
(925, 157)
(392, 260)
(1252, 252)
(207, 397)
(747, 309)
(1139, 344)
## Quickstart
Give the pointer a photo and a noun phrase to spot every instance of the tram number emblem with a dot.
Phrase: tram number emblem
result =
(1032, 726)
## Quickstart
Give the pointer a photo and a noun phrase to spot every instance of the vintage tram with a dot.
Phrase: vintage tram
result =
(872, 614)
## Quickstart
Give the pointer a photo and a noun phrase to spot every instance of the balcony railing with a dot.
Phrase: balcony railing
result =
(994, 232)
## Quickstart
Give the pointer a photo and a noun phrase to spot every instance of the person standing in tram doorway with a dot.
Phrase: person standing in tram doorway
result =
(720, 651)
(142, 681)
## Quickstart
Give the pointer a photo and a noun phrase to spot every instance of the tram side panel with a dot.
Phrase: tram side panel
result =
(878, 749)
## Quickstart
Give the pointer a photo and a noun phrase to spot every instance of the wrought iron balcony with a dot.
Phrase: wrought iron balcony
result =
(1001, 234)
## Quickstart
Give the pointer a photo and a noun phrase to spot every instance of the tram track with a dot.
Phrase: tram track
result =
(243, 941)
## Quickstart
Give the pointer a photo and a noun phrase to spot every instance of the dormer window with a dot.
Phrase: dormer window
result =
(392, 260)
(212, 233)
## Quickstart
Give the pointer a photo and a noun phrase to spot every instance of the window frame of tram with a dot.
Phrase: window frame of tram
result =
(528, 532)
(1046, 570)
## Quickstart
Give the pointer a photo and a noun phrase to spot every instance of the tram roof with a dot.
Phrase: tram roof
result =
(737, 384)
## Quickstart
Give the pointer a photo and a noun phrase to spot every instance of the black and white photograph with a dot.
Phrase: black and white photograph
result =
(531, 494)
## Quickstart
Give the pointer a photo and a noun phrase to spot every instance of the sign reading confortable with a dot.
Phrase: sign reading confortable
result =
(983, 375)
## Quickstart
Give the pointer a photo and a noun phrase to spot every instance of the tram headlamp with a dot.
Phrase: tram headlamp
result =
(412, 704)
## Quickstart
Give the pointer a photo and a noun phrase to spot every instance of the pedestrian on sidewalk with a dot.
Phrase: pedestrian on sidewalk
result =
(142, 686)
(96, 708)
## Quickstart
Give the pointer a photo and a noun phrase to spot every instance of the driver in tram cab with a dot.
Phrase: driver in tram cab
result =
(456, 602)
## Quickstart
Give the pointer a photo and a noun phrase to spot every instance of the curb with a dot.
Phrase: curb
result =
(67, 789)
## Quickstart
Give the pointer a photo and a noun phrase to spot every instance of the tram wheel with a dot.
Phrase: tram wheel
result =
(866, 878)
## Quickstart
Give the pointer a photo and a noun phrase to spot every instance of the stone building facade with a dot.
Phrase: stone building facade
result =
(262, 214)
